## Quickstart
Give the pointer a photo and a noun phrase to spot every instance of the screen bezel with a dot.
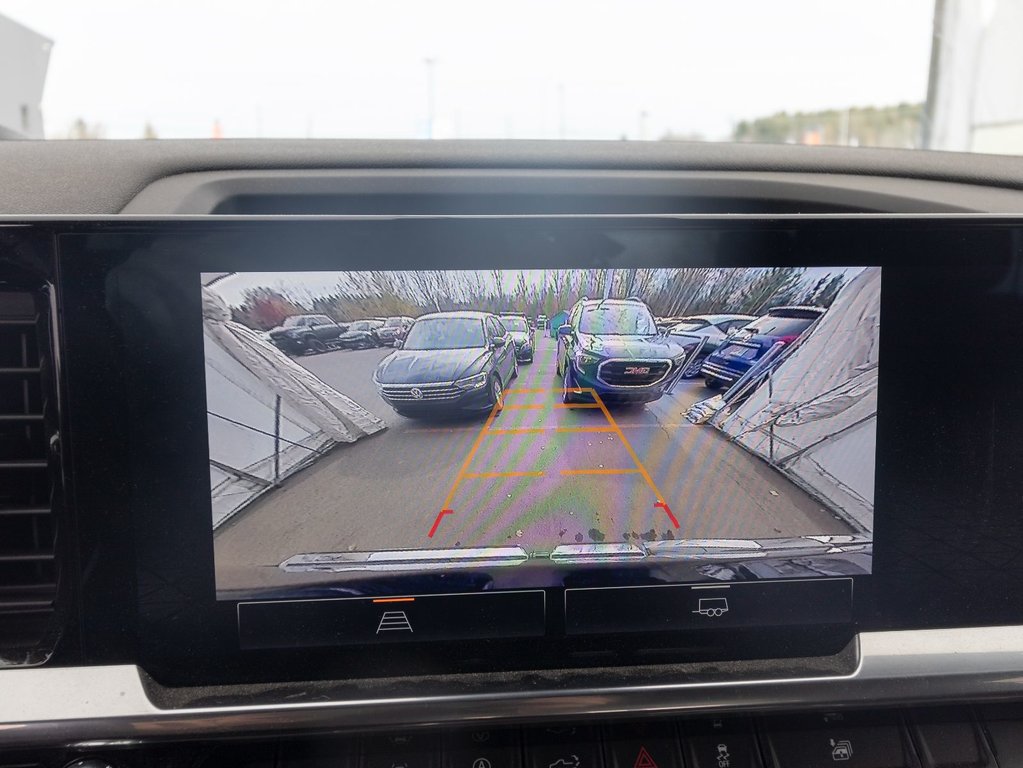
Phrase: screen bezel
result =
(182, 632)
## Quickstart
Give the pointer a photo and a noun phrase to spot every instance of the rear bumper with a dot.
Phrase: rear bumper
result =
(726, 372)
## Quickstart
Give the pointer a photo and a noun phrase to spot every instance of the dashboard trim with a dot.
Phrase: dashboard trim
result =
(78, 705)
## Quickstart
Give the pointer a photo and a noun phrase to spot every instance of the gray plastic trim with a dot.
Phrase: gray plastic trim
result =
(77, 705)
(616, 191)
(96, 177)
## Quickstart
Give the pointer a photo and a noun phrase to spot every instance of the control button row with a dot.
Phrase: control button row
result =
(939, 738)
(523, 613)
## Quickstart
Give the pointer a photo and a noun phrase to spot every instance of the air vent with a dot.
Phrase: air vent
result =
(27, 532)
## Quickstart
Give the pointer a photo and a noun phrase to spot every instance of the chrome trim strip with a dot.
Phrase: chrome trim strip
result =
(64, 706)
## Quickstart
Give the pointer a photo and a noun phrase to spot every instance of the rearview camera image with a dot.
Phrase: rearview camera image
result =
(469, 430)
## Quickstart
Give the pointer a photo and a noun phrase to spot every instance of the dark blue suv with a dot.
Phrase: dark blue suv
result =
(613, 347)
(741, 350)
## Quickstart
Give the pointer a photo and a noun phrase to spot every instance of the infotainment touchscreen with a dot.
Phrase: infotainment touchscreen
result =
(388, 432)
(397, 445)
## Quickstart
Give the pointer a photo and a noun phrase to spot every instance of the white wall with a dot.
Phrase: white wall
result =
(978, 87)
(24, 58)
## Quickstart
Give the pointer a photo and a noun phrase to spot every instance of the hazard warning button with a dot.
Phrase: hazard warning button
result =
(643, 745)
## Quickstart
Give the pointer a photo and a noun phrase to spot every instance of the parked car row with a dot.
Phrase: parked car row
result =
(312, 334)
(614, 348)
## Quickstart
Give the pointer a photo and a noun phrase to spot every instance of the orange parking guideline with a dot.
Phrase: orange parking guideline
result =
(541, 430)
(600, 472)
(394, 600)
(489, 475)
(472, 452)
(628, 447)
(598, 403)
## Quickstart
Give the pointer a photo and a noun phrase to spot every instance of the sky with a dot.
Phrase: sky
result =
(578, 69)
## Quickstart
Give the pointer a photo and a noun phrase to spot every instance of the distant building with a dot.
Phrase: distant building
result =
(24, 59)
(975, 92)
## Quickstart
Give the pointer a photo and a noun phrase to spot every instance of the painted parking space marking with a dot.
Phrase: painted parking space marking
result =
(487, 430)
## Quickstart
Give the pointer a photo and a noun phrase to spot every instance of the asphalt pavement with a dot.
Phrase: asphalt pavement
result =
(536, 475)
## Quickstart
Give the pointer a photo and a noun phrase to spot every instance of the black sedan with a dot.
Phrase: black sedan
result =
(450, 361)
(362, 334)
(522, 336)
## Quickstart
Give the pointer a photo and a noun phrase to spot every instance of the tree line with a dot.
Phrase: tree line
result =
(668, 292)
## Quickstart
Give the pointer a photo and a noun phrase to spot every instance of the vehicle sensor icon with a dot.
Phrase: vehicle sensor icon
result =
(712, 606)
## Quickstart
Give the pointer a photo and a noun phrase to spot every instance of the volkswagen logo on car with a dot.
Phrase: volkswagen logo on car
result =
(416, 393)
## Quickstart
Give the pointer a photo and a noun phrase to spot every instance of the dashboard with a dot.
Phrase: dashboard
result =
(503, 454)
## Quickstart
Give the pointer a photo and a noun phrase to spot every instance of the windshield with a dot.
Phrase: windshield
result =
(392, 322)
(292, 322)
(617, 320)
(770, 325)
(445, 333)
(515, 323)
(934, 74)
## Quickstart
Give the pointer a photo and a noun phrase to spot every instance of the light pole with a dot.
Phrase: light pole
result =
(430, 64)
(561, 110)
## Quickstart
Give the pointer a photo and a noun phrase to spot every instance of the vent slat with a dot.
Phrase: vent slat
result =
(27, 553)
(42, 588)
(24, 464)
(25, 557)
(24, 512)
(26, 606)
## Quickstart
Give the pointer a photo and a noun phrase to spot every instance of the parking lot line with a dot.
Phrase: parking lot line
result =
(600, 472)
(472, 452)
(541, 430)
(598, 403)
(487, 475)
(629, 448)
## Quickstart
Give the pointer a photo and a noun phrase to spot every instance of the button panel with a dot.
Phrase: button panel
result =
(402, 750)
(650, 744)
(563, 746)
(482, 748)
(851, 740)
(948, 738)
(604, 610)
(372, 621)
(720, 743)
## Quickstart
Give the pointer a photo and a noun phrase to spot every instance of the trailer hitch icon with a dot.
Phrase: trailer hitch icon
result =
(712, 606)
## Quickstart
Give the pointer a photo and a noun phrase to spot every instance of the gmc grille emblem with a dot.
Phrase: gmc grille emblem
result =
(637, 370)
